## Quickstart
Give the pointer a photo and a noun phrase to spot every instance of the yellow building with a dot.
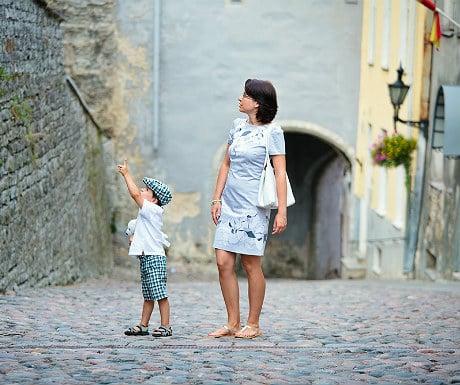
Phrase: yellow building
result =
(393, 37)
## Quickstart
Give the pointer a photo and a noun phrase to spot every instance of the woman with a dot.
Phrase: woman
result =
(242, 227)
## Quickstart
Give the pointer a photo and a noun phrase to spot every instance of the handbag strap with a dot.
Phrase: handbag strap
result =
(267, 142)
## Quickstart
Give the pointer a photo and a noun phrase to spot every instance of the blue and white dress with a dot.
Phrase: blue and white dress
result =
(243, 227)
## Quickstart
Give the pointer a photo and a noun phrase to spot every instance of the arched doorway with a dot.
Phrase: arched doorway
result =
(312, 247)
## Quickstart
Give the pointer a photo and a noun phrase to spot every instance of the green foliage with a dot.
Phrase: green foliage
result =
(21, 112)
(4, 76)
(393, 151)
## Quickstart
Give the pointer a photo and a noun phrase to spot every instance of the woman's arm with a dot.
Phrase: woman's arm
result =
(280, 221)
(220, 184)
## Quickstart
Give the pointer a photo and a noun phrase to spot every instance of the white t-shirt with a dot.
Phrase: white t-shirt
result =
(148, 238)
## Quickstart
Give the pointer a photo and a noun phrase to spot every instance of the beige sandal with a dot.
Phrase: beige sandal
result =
(224, 331)
(248, 332)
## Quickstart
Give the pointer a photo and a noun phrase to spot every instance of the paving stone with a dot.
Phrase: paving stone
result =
(324, 332)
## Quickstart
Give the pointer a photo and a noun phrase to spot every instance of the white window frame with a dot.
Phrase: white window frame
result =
(400, 206)
(383, 194)
(371, 36)
(404, 31)
(386, 32)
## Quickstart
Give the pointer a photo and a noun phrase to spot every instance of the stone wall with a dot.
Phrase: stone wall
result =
(54, 213)
(440, 246)
(90, 49)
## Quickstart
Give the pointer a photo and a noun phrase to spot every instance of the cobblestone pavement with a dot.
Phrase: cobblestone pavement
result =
(315, 332)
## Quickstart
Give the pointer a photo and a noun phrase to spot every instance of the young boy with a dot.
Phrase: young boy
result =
(147, 245)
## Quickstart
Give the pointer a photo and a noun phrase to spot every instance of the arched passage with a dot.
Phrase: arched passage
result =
(318, 164)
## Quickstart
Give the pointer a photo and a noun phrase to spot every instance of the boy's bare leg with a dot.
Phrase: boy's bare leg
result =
(147, 309)
(163, 305)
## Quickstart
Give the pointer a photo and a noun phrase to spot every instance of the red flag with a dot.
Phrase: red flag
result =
(429, 4)
(435, 36)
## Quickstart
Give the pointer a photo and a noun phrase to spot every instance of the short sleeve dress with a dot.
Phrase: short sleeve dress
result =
(243, 227)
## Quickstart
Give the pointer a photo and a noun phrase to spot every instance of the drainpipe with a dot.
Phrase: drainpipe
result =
(415, 202)
(156, 74)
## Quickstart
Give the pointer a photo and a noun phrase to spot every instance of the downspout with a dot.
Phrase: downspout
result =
(417, 241)
(408, 259)
(415, 202)
(156, 74)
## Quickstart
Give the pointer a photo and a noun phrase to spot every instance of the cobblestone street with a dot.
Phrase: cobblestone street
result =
(315, 332)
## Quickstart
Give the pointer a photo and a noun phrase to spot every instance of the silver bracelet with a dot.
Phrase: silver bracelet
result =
(214, 201)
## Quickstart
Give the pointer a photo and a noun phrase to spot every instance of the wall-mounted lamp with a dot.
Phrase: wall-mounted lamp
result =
(398, 91)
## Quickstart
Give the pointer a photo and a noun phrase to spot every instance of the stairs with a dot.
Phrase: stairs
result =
(353, 268)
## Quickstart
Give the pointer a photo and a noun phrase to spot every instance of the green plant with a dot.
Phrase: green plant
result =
(394, 150)
(4, 76)
(21, 112)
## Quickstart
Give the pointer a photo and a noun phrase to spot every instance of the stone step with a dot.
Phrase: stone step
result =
(353, 269)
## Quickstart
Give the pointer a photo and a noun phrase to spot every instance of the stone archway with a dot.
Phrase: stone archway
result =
(318, 164)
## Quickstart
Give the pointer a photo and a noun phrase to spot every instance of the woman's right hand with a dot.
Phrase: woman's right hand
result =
(215, 211)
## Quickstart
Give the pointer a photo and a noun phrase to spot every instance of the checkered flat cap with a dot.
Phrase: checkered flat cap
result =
(160, 190)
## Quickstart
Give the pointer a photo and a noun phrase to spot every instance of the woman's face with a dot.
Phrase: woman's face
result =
(247, 104)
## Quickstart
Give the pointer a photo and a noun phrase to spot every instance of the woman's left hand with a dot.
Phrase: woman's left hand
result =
(279, 224)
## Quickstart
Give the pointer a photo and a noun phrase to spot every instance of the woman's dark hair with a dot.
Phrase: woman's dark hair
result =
(263, 92)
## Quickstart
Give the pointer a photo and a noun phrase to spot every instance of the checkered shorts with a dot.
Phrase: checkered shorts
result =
(153, 277)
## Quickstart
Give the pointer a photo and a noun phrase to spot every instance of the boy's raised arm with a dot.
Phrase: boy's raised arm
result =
(132, 188)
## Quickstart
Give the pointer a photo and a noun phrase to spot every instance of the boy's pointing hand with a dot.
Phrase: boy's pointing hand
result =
(123, 168)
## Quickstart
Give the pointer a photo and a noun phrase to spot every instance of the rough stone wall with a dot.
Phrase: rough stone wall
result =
(54, 215)
(440, 231)
(435, 221)
(90, 49)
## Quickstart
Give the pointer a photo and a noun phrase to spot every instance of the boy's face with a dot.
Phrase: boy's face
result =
(147, 193)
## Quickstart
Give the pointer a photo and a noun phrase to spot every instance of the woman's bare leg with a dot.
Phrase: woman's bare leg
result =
(229, 286)
(256, 287)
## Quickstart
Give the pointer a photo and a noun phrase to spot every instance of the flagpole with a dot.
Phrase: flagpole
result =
(447, 16)
(432, 6)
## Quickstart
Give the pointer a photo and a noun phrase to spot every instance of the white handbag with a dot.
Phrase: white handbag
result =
(267, 197)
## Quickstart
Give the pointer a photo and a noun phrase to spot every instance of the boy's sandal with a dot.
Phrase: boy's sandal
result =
(248, 332)
(162, 331)
(139, 330)
(224, 331)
